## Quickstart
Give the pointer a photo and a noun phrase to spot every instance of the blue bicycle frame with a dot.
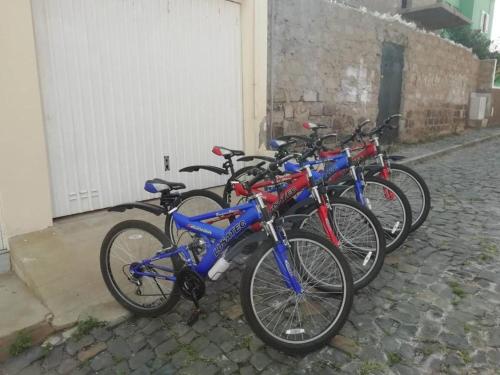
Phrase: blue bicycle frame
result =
(332, 165)
(217, 240)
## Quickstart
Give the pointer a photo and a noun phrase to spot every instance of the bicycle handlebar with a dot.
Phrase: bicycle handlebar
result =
(385, 124)
(271, 169)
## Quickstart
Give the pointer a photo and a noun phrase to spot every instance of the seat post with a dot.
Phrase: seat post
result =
(229, 164)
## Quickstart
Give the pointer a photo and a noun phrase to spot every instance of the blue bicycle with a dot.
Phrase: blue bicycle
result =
(282, 287)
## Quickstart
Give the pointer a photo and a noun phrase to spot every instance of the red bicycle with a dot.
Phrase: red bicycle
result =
(347, 224)
(407, 179)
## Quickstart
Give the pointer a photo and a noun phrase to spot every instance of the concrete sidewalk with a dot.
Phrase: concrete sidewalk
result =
(60, 265)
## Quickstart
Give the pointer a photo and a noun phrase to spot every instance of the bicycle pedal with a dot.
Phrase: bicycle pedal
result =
(195, 315)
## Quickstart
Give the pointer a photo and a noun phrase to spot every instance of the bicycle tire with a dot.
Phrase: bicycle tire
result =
(418, 215)
(404, 217)
(249, 284)
(110, 278)
(170, 228)
(360, 279)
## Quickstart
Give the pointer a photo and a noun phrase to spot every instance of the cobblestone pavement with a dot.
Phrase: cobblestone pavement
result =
(418, 149)
(435, 307)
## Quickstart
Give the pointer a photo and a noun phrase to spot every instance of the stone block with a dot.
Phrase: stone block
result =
(310, 96)
(315, 109)
(278, 116)
(279, 95)
(329, 109)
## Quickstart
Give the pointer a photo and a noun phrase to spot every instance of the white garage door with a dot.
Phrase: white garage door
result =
(126, 83)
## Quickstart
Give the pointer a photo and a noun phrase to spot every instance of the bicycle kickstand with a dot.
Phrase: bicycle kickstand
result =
(195, 314)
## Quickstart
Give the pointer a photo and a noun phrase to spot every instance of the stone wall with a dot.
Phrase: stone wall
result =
(325, 66)
(382, 6)
(486, 77)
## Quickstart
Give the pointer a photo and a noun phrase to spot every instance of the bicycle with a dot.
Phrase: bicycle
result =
(348, 225)
(411, 182)
(283, 301)
(383, 198)
(199, 201)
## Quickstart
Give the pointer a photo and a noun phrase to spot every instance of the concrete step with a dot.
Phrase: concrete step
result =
(21, 311)
(60, 265)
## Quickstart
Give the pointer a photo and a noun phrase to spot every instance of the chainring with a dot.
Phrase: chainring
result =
(190, 283)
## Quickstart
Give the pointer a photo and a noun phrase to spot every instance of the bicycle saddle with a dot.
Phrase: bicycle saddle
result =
(159, 186)
(313, 126)
(277, 144)
(226, 152)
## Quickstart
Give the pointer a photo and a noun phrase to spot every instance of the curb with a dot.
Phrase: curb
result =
(434, 154)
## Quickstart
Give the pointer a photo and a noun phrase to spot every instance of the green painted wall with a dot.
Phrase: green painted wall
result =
(473, 9)
(454, 3)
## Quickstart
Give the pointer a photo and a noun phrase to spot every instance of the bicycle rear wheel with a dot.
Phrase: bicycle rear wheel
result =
(297, 323)
(194, 202)
(131, 242)
(390, 206)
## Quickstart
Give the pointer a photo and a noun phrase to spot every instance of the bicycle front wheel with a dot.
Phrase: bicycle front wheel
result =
(361, 237)
(415, 189)
(390, 206)
(287, 320)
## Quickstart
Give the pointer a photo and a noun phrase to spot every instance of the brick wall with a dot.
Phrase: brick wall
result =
(325, 66)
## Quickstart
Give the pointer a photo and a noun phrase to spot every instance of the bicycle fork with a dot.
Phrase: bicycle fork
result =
(281, 247)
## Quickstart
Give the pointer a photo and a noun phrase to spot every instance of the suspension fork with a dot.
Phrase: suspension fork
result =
(323, 212)
(385, 172)
(359, 185)
(281, 247)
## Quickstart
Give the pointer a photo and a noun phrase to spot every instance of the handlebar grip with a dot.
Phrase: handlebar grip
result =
(333, 135)
(390, 118)
(248, 185)
(363, 124)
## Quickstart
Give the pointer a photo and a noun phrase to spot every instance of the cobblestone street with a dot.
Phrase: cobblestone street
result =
(435, 307)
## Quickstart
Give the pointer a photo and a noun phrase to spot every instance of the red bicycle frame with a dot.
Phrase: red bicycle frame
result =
(296, 183)
(365, 152)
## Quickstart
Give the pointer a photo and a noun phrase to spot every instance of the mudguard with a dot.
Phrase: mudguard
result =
(297, 207)
(240, 246)
(371, 170)
(210, 168)
(336, 189)
(396, 157)
(151, 208)
(257, 157)
(294, 219)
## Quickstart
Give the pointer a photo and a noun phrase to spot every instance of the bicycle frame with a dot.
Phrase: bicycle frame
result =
(364, 152)
(217, 240)
(297, 183)
(334, 165)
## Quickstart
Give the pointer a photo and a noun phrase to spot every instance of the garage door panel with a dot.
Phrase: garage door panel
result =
(126, 82)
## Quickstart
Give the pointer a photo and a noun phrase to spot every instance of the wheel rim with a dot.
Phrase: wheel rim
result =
(413, 191)
(297, 318)
(357, 235)
(390, 212)
(129, 246)
(193, 206)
